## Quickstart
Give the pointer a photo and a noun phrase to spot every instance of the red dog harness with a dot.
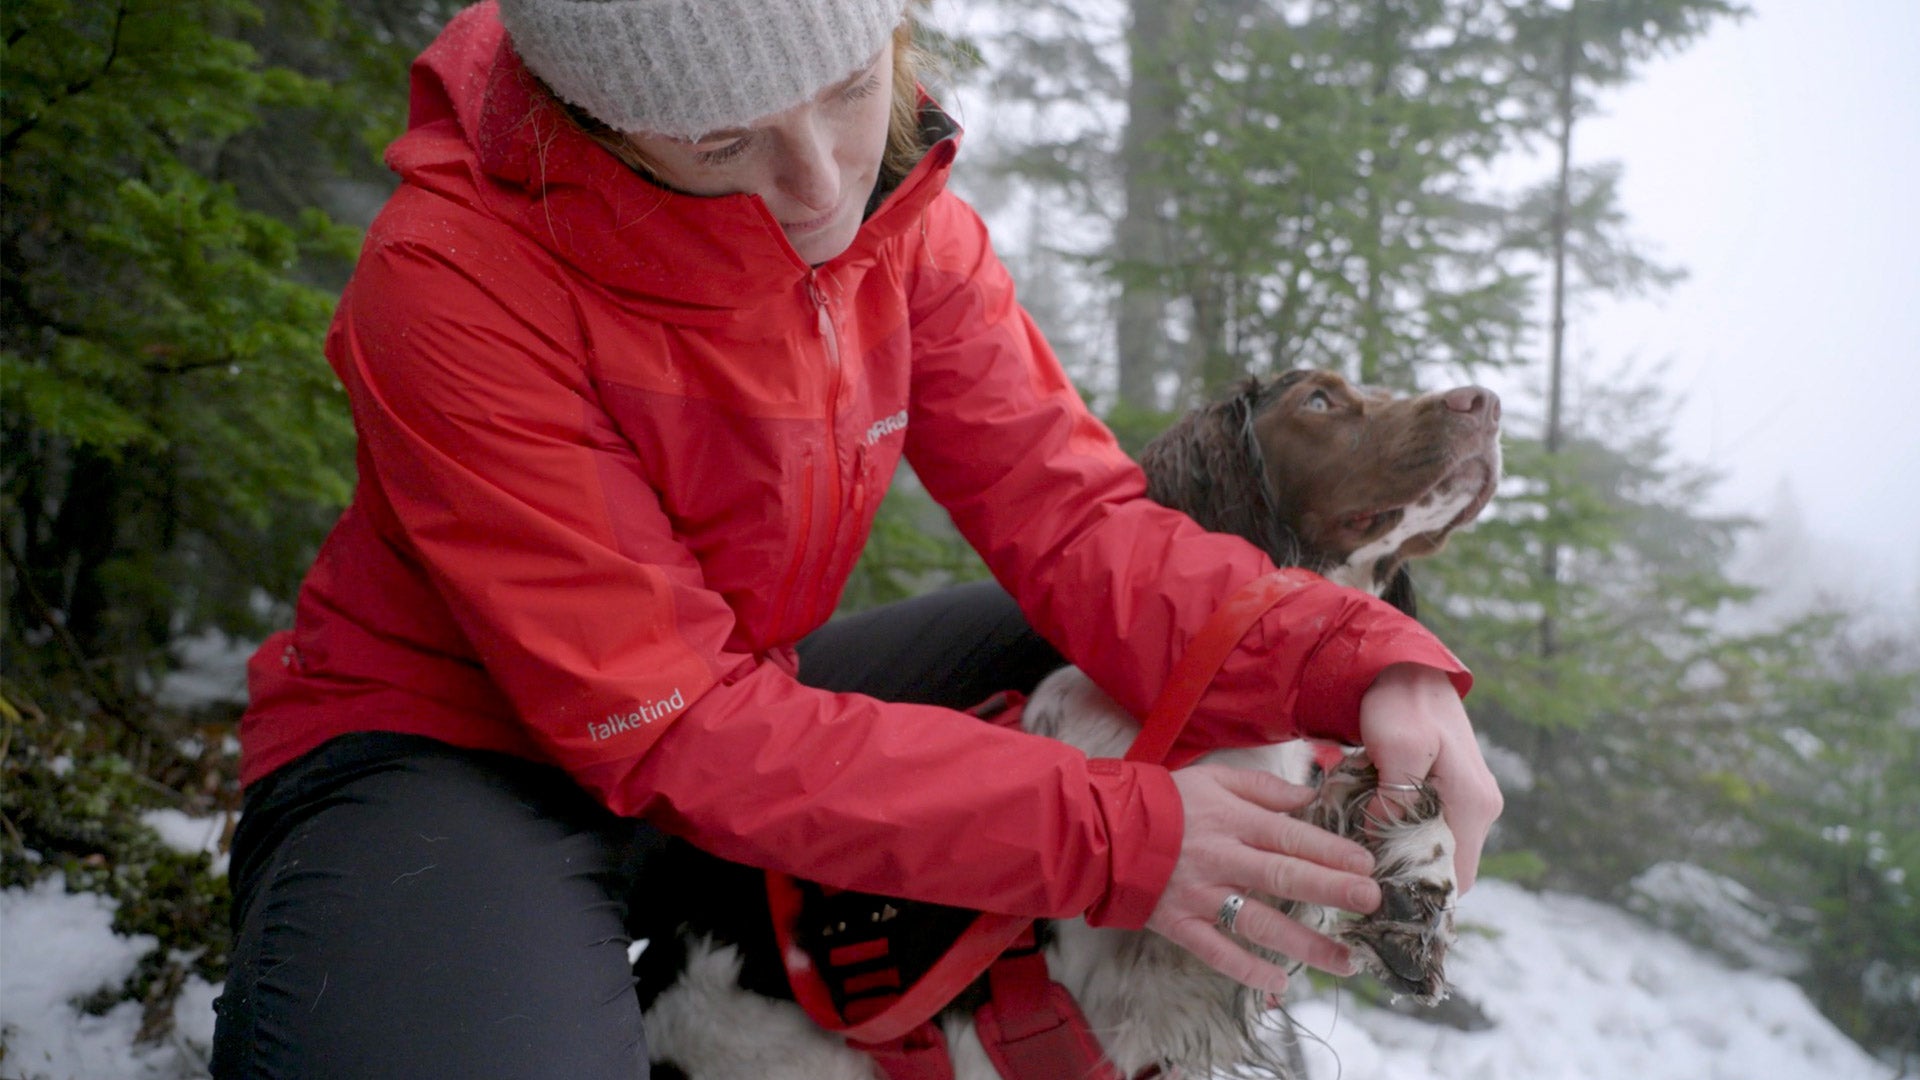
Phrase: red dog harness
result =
(1030, 1027)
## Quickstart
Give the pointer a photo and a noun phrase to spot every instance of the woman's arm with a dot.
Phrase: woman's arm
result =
(536, 523)
(1116, 582)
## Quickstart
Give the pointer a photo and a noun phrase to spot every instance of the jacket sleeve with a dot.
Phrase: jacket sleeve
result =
(1118, 583)
(476, 412)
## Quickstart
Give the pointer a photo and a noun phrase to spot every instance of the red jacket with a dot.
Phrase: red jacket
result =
(619, 449)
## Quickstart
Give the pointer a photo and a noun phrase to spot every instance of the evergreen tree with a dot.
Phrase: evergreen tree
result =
(1622, 726)
(1051, 75)
(173, 441)
(1328, 215)
(1290, 184)
(1145, 238)
(1564, 51)
(1825, 797)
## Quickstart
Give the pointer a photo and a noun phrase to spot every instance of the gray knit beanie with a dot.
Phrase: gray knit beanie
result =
(689, 67)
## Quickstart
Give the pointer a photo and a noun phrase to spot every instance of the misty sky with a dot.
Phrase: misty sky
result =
(1778, 161)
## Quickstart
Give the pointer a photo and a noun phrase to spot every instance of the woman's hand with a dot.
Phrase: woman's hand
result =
(1415, 729)
(1240, 839)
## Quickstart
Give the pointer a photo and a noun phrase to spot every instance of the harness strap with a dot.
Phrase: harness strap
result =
(920, 1054)
(1201, 662)
(990, 935)
(1032, 1029)
(985, 938)
(904, 1016)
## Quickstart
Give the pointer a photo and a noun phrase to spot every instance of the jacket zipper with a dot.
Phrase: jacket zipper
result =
(790, 580)
(843, 561)
(820, 556)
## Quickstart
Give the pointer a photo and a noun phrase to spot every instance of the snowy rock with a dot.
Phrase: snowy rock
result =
(1705, 907)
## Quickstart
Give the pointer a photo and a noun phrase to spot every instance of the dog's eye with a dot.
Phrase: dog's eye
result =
(1318, 401)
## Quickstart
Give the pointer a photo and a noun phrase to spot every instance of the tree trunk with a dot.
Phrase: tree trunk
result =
(1557, 335)
(1371, 324)
(1140, 241)
(85, 535)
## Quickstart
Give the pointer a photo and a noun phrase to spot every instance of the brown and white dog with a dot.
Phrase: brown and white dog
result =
(1349, 482)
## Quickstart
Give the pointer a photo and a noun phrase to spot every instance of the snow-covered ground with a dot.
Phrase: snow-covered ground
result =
(1576, 990)
(1582, 991)
(56, 947)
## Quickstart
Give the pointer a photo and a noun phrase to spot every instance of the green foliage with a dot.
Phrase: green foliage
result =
(172, 445)
(1603, 257)
(173, 442)
(1608, 41)
(1831, 795)
(1259, 187)
(1520, 867)
(71, 796)
(1135, 427)
(1658, 729)
(1324, 166)
(1619, 715)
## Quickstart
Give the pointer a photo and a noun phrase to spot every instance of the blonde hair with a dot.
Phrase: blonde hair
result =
(905, 144)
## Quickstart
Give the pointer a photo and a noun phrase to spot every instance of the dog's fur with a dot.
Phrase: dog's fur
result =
(1320, 474)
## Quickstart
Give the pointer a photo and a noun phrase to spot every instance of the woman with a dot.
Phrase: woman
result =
(668, 290)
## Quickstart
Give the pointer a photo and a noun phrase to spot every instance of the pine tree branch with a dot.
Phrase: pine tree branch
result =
(72, 89)
(188, 367)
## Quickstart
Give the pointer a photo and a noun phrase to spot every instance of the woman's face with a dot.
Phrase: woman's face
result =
(813, 165)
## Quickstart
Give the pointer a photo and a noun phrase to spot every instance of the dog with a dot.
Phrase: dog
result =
(1346, 481)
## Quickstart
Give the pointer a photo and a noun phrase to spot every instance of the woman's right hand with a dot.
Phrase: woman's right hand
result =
(1239, 838)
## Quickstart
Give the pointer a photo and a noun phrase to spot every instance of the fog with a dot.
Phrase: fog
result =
(1777, 161)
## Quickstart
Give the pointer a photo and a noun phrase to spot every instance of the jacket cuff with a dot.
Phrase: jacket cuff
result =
(1145, 823)
(1342, 670)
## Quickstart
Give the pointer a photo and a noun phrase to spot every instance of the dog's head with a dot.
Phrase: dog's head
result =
(1347, 481)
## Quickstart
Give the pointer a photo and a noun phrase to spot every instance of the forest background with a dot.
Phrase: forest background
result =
(1189, 191)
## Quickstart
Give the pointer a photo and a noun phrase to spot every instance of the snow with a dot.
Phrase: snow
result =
(1676, 895)
(212, 670)
(1581, 991)
(1577, 991)
(56, 947)
(187, 834)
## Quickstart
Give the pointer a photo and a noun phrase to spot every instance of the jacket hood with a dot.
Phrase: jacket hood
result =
(482, 132)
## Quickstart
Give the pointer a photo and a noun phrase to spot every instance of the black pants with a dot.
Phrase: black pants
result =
(403, 908)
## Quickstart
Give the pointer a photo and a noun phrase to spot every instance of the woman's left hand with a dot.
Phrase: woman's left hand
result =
(1415, 729)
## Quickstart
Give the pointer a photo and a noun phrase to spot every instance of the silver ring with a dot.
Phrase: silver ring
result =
(1229, 911)
(1415, 788)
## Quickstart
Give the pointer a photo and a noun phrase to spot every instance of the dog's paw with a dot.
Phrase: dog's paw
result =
(1405, 941)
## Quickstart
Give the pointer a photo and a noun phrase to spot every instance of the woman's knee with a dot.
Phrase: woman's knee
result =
(441, 914)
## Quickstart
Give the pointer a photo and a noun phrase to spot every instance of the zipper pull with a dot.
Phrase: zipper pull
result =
(859, 482)
(824, 310)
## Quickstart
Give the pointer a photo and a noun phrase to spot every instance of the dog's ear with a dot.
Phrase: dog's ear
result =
(1399, 593)
(1206, 467)
(1209, 466)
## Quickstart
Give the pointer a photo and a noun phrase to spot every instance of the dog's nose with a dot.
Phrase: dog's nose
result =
(1474, 400)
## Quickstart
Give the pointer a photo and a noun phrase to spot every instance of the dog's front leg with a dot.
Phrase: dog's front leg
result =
(1405, 941)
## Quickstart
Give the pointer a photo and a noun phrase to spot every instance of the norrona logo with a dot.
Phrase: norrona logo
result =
(886, 426)
(639, 717)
